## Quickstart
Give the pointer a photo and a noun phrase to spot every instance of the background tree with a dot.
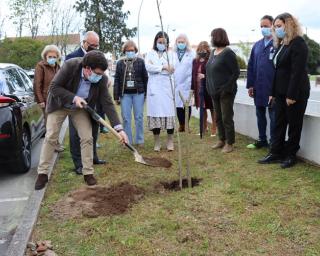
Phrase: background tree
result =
(314, 56)
(245, 48)
(62, 23)
(25, 52)
(241, 62)
(107, 19)
(28, 13)
(2, 20)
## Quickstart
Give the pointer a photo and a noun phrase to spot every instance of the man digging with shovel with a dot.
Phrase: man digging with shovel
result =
(80, 81)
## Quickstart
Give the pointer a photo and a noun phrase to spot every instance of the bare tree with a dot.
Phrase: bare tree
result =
(63, 22)
(2, 20)
(28, 13)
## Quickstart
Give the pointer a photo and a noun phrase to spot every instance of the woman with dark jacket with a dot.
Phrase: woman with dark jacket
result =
(198, 85)
(130, 87)
(45, 70)
(290, 90)
(222, 74)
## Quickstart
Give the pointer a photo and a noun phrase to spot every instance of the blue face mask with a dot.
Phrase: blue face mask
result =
(94, 78)
(52, 61)
(280, 33)
(266, 32)
(130, 54)
(181, 46)
(161, 47)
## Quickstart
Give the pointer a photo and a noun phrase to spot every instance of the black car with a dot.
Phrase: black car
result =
(21, 119)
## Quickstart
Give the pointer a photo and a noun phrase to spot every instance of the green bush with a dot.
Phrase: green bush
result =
(241, 62)
(25, 52)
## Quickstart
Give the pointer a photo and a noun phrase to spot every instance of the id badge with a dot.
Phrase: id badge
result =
(130, 84)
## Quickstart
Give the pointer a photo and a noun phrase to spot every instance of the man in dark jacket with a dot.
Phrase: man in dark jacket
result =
(259, 81)
(80, 81)
(90, 42)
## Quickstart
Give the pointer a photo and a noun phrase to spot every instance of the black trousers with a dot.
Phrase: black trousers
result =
(290, 117)
(223, 106)
(100, 113)
(181, 115)
(74, 139)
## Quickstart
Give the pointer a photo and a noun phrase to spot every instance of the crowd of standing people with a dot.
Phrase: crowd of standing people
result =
(277, 81)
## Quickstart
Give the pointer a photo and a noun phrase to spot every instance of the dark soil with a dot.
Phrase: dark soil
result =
(174, 185)
(158, 162)
(98, 201)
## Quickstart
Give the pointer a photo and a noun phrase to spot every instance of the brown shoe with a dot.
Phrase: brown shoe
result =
(90, 179)
(41, 181)
(219, 144)
(227, 148)
(181, 128)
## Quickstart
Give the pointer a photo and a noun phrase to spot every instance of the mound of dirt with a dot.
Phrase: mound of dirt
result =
(97, 201)
(174, 185)
(158, 161)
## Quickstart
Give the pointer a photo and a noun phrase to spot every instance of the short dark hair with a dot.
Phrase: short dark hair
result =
(160, 34)
(267, 17)
(95, 59)
(219, 38)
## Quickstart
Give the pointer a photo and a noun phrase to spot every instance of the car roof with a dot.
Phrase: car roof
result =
(7, 65)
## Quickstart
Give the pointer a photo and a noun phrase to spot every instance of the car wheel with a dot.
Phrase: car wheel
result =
(25, 153)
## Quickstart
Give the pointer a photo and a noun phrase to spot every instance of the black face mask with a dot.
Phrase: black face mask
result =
(203, 54)
(90, 48)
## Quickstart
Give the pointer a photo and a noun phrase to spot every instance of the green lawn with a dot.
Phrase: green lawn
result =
(240, 207)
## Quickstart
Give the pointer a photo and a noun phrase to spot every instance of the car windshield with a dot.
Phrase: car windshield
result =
(4, 89)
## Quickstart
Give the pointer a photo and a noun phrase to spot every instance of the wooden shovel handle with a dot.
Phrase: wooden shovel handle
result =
(100, 120)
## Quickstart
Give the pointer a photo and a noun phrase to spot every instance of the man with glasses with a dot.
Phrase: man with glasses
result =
(90, 42)
(80, 81)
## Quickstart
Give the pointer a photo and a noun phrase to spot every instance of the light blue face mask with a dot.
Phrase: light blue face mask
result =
(52, 61)
(94, 78)
(161, 47)
(130, 54)
(181, 46)
(280, 32)
(266, 32)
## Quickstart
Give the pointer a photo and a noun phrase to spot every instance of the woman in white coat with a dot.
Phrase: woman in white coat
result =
(183, 58)
(160, 106)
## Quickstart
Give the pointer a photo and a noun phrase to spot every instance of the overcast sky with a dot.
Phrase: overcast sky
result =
(197, 18)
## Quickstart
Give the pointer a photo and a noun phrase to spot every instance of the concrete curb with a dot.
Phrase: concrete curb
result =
(20, 239)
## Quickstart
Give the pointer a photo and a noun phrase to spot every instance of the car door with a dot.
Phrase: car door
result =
(38, 113)
(30, 114)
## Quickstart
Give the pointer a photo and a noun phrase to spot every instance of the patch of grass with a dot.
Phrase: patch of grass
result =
(240, 207)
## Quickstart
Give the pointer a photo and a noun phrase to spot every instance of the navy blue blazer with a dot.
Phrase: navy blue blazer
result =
(77, 53)
(261, 72)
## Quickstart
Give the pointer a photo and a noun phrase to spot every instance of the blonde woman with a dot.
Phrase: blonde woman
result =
(184, 56)
(44, 72)
(290, 90)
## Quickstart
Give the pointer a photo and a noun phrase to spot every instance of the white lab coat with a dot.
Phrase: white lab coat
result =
(183, 76)
(159, 92)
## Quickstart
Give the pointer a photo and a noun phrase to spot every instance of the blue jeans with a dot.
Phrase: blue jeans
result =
(135, 101)
(262, 122)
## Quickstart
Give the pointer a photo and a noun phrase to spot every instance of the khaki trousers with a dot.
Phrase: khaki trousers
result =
(82, 123)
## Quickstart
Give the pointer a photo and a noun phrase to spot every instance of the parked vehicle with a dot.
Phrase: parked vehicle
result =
(21, 119)
(30, 73)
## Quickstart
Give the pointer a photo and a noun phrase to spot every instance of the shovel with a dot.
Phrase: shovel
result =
(137, 157)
